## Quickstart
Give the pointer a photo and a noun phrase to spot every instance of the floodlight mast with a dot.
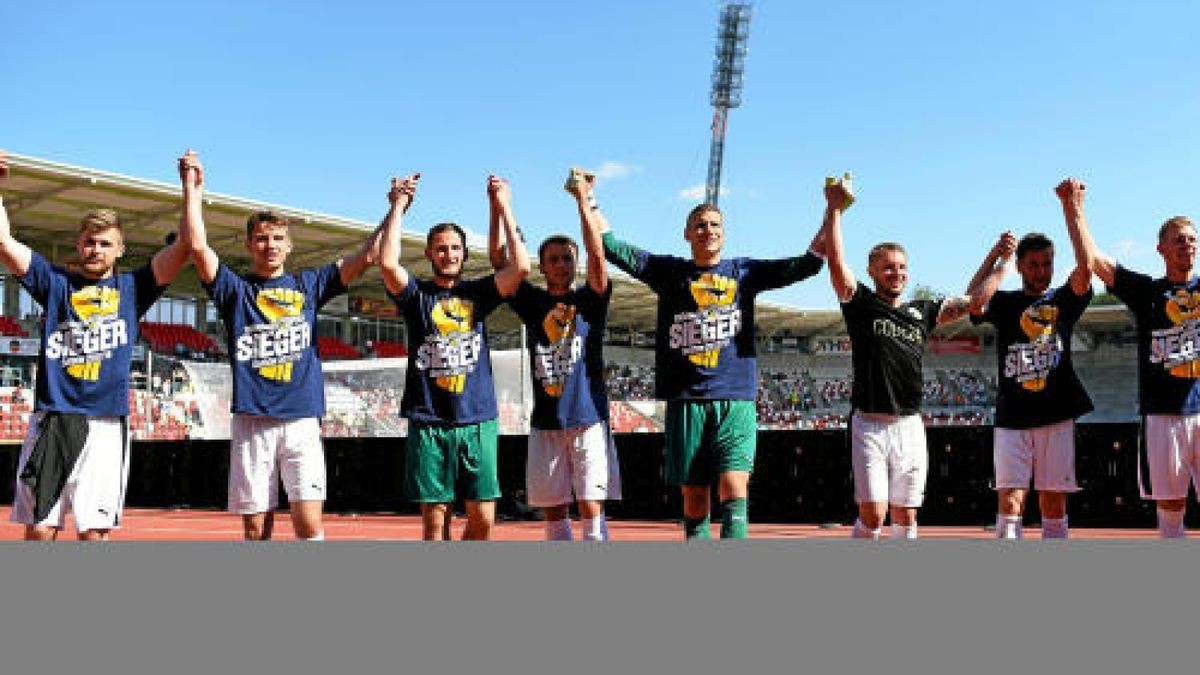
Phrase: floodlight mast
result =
(733, 32)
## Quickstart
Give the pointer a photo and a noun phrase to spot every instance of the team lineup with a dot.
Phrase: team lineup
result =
(76, 455)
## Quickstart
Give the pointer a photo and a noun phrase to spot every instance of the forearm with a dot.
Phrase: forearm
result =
(15, 255)
(592, 223)
(624, 255)
(840, 274)
(495, 238)
(1087, 254)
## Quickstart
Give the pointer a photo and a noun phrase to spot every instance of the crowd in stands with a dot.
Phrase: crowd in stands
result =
(629, 383)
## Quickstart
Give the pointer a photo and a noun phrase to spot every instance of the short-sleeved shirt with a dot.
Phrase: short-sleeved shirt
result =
(1168, 326)
(1037, 381)
(270, 329)
(887, 346)
(705, 333)
(88, 337)
(449, 378)
(566, 342)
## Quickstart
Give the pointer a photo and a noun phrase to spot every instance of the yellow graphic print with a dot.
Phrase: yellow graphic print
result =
(453, 318)
(559, 325)
(1040, 324)
(710, 292)
(281, 306)
(1184, 306)
(95, 306)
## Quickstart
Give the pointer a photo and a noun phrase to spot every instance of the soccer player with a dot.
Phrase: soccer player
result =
(76, 455)
(449, 395)
(1167, 313)
(1040, 395)
(887, 336)
(706, 361)
(570, 445)
(278, 400)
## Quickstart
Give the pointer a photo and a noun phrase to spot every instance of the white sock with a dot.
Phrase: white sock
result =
(1170, 524)
(320, 536)
(861, 531)
(558, 530)
(904, 531)
(593, 528)
(1054, 528)
(1009, 527)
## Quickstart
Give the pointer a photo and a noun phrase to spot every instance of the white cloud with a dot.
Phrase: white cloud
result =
(696, 193)
(616, 170)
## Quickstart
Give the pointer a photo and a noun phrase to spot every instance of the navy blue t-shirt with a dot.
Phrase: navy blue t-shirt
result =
(1168, 327)
(566, 361)
(449, 378)
(270, 326)
(1037, 381)
(705, 334)
(87, 342)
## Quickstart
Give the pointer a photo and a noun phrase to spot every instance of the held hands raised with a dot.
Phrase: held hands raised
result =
(191, 172)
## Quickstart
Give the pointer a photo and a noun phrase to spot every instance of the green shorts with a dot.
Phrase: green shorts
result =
(708, 438)
(439, 458)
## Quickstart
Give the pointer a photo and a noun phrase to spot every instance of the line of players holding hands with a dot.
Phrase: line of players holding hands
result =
(75, 458)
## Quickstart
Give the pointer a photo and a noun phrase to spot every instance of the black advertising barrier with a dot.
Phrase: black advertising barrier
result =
(799, 477)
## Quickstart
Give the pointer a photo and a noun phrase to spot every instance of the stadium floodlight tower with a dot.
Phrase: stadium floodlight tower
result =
(733, 32)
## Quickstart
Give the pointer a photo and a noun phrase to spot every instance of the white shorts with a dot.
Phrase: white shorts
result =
(1045, 454)
(95, 491)
(264, 450)
(1169, 457)
(890, 458)
(568, 464)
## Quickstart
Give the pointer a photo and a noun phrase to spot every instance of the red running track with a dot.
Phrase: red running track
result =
(197, 525)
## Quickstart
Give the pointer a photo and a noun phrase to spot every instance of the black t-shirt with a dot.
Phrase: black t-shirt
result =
(887, 346)
(1168, 327)
(1038, 384)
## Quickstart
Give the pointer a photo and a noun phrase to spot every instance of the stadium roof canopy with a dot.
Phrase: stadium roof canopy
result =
(45, 201)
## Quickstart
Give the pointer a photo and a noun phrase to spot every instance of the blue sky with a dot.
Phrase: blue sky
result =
(957, 118)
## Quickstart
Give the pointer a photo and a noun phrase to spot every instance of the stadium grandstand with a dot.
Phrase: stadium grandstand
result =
(181, 381)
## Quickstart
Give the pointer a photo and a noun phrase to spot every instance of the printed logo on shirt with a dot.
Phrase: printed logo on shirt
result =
(81, 346)
(274, 347)
(1030, 363)
(552, 363)
(453, 351)
(1176, 348)
(701, 335)
(886, 328)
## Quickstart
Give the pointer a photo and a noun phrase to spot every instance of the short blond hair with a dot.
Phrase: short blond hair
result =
(1173, 223)
(99, 220)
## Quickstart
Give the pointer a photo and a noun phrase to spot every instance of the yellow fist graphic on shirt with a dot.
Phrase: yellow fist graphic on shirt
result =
(96, 307)
(1040, 325)
(453, 317)
(1183, 308)
(716, 321)
(562, 353)
(283, 307)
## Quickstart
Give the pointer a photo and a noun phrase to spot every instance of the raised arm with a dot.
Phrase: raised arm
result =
(495, 242)
(1071, 193)
(191, 239)
(840, 275)
(516, 262)
(191, 175)
(351, 267)
(15, 255)
(1001, 252)
(981, 292)
(592, 225)
(401, 194)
